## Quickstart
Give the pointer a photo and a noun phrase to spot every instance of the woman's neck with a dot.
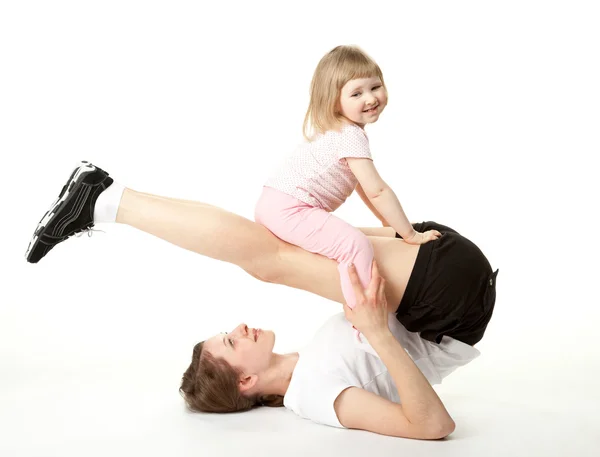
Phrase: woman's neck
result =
(277, 379)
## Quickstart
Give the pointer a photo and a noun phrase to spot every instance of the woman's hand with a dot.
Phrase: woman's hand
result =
(422, 238)
(370, 314)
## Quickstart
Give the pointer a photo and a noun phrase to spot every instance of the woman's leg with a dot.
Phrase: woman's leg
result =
(180, 200)
(378, 231)
(222, 235)
(201, 228)
(207, 230)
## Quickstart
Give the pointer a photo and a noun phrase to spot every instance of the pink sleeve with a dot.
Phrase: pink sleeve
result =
(353, 143)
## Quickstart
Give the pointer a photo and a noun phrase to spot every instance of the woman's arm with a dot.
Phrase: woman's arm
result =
(422, 413)
(381, 196)
(363, 410)
(420, 403)
(361, 193)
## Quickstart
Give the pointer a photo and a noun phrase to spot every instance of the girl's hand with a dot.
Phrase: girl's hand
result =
(422, 238)
(370, 315)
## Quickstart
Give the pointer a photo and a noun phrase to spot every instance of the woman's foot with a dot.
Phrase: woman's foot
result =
(72, 212)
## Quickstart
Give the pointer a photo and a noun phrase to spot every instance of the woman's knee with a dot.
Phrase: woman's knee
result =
(267, 267)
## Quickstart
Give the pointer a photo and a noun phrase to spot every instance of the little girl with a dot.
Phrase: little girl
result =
(347, 92)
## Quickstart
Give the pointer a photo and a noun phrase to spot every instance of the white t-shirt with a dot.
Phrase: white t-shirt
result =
(317, 173)
(336, 360)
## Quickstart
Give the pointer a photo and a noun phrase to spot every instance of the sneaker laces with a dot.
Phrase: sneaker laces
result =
(89, 231)
(54, 240)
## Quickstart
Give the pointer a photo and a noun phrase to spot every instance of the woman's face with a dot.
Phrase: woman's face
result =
(248, 349)
(362, 100)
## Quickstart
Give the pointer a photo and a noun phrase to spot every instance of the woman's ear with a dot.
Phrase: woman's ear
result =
(247, 382)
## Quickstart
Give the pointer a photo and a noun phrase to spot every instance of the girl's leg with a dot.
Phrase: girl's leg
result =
(346, 244)
(320, 232)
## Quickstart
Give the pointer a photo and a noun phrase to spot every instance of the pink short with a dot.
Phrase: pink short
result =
(318, 231)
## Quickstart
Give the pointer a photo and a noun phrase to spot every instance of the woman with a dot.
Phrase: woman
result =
(445, 290)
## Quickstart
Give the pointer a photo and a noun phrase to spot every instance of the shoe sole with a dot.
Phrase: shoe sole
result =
(80, 171)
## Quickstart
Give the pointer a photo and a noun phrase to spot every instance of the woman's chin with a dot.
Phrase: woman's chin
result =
(268, 336)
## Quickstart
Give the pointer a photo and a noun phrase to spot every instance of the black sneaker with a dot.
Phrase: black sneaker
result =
(72, 212)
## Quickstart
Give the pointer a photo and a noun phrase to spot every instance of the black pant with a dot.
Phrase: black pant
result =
(451, 291)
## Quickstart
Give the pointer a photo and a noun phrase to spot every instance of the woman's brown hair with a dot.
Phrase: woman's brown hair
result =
(210, 385)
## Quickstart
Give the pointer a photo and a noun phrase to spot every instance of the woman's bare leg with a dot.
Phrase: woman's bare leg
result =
(219, 234)
(303, 270)
(369, 231)
(378, 231)
(180, 200)
(225, 236)
(201, 228)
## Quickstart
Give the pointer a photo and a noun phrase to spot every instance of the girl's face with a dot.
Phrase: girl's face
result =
(362, 100)
(248, 349)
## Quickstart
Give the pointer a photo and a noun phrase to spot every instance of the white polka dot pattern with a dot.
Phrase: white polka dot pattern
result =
(317, 174)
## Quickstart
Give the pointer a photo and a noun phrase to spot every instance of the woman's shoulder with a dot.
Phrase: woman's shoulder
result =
(313, 389)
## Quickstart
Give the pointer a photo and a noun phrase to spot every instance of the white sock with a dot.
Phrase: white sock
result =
(107, 204)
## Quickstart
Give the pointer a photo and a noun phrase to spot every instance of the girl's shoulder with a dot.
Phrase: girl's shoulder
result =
(344, 131)
(334, 136)
(349, 127)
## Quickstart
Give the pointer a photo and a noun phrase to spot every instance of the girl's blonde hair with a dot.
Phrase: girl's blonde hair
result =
(336, 68)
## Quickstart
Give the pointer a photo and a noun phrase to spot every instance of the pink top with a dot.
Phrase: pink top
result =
(317, 172)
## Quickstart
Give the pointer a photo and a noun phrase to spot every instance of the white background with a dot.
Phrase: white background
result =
(491, 128)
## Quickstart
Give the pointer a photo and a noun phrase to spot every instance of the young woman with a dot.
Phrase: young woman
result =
(445, 290)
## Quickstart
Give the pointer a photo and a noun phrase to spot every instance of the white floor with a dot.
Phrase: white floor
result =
(491, 128)
(70, 409)
(98, 375)
(72, 415)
